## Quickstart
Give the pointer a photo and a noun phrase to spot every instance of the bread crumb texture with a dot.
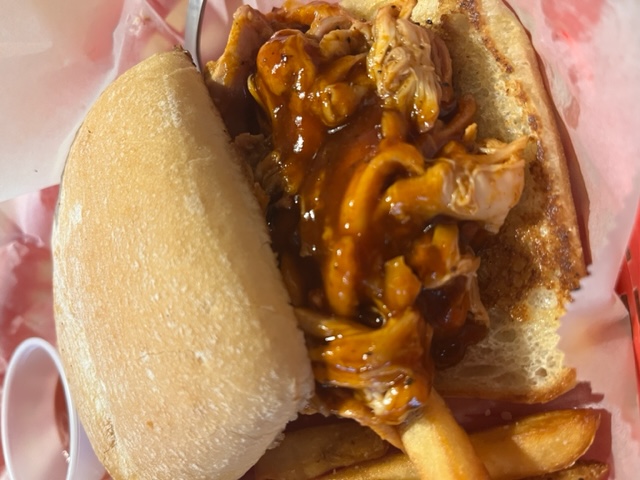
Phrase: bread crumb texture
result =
(182, 351)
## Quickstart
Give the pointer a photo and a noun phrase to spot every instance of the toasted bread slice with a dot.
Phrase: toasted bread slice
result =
(530, 268)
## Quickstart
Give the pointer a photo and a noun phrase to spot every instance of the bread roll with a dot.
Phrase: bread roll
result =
(529, 269)
(175, 329)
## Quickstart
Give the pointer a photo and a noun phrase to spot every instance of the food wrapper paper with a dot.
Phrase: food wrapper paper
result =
(56, 56)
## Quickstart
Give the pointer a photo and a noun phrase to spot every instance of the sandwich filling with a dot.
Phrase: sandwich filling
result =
(376, 191)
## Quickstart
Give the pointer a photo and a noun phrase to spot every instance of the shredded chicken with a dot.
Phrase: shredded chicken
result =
(342, 363)
(374, 178)
(483, 188)
(226, 77)
(401, 64)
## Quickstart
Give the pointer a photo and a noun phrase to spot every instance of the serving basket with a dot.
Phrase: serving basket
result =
(628, 287)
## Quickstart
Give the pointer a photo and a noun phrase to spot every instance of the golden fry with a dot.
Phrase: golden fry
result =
(398, 466)
(307, 453)
(438, 446)
(579, 471)
(390, 467)
(537, 444)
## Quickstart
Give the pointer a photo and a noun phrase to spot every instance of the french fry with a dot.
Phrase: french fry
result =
(397, 465)
(579, 471)
(309, 452)
(390, 467)
(538, 445)
(438, 446)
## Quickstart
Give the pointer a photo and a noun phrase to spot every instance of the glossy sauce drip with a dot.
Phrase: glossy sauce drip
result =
(322, 139)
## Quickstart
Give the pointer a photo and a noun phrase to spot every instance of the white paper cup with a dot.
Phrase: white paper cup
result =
(33, 428)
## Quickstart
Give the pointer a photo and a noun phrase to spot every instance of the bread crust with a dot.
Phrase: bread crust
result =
(175, 329)
(529, 269)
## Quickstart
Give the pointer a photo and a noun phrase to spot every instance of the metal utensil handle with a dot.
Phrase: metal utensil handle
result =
(195, 14)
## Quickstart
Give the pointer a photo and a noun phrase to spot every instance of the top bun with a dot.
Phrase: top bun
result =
(174, 326)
